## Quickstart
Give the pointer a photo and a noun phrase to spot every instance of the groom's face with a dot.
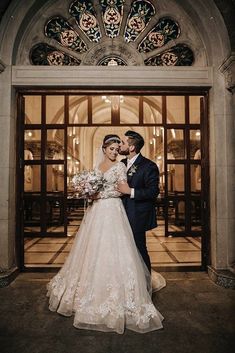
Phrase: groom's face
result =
(124, 148)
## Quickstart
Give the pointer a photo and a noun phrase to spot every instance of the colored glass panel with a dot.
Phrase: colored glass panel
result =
(64, 34)
(140, 14)
(44, 54)
(179, 55)
(85, 16)
(112, 12)
(164, 31)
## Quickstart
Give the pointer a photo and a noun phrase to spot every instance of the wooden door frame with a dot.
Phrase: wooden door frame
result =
(184, 91)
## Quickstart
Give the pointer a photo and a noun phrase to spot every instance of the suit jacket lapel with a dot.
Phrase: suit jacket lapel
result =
(135, 165)
(138, 160)
(124, 161)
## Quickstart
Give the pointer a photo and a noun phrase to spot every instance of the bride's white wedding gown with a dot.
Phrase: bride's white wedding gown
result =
(104, 281)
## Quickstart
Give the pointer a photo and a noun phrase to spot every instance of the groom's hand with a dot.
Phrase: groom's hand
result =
(123, 188)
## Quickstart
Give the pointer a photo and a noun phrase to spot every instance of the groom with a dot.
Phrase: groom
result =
(140, 190)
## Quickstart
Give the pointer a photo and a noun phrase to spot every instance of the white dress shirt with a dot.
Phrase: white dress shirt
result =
(130, 162)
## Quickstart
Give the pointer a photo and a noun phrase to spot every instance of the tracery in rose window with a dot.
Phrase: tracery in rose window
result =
(139, 16)
(165, 30)
(100, 33)
(44, 54)
(85, 15)
(112, 13)
(179, 55)
(64, 34)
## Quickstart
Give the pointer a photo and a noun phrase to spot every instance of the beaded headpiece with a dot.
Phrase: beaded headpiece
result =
(114, 139)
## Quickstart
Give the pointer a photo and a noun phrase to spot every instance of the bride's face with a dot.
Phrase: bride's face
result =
(111, 151)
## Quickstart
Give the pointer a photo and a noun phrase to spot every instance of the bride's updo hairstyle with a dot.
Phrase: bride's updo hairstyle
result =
(109, 139)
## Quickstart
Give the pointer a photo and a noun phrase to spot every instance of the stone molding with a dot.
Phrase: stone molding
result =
(6, 277)
(228, 70)
(112, 76)
(223, 278)
(2, 66)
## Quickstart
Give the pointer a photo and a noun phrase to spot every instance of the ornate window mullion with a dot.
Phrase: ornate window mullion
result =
(126, 10)
(148, 28)
(73, 23)
(158, 51)
(97, 8)
(56, 45)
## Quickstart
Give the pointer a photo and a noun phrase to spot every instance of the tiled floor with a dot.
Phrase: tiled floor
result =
(171, 251)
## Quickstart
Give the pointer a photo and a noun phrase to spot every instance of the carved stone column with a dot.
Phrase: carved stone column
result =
(228, 69)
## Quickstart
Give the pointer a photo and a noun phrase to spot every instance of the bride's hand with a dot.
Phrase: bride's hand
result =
(94, 196)
(123, 188)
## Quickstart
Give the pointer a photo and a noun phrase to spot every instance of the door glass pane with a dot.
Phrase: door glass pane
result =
(32, 144)
(32, 109)
(78, 109)
(101, 109)
(32, 212)
(175, 144)
(30, 228)
(75, 212)
(195, 211)
(195, 144)
(129, 109)
(55, 212)
(32, 215)
(75, 204)
(175, 173)
(54, 109)
(32, 178)
(55, 178)
(32, 198)
(195, 178)
(152, 108)
(73, 147)
(194, 109)
(176, 215)
(175, 109)
(156, 145)
(55, 144)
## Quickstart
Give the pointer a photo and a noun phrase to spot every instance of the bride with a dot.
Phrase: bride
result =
(104, 281)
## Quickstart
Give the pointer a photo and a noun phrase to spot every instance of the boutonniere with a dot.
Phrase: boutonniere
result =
(132, 170)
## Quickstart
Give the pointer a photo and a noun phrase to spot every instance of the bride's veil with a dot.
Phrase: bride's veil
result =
(99, 157)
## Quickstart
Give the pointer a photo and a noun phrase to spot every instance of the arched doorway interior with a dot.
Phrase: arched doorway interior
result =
(59, 137)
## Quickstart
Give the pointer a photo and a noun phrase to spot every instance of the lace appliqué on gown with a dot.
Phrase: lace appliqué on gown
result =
(104, 280)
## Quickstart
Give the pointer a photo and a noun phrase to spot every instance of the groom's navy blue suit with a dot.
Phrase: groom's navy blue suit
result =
(143, 176)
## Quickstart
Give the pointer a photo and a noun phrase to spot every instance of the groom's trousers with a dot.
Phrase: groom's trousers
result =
(140, 240)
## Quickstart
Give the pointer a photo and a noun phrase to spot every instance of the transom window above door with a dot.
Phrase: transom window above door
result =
(112, 33)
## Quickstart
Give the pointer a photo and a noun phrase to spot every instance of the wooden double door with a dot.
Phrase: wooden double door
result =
(59, 134)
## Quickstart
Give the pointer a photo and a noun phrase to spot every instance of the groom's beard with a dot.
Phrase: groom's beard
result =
(124, 153)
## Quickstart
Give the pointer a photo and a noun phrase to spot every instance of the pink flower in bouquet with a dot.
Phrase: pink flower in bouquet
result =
(88, 183)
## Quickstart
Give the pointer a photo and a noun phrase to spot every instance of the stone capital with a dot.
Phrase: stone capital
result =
(228, 70)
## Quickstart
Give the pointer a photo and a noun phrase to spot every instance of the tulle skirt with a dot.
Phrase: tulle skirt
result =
(104, 281)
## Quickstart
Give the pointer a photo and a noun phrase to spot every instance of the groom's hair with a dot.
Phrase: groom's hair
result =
(135, 139)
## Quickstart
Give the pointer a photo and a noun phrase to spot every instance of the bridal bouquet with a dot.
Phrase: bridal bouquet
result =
(88, 183)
